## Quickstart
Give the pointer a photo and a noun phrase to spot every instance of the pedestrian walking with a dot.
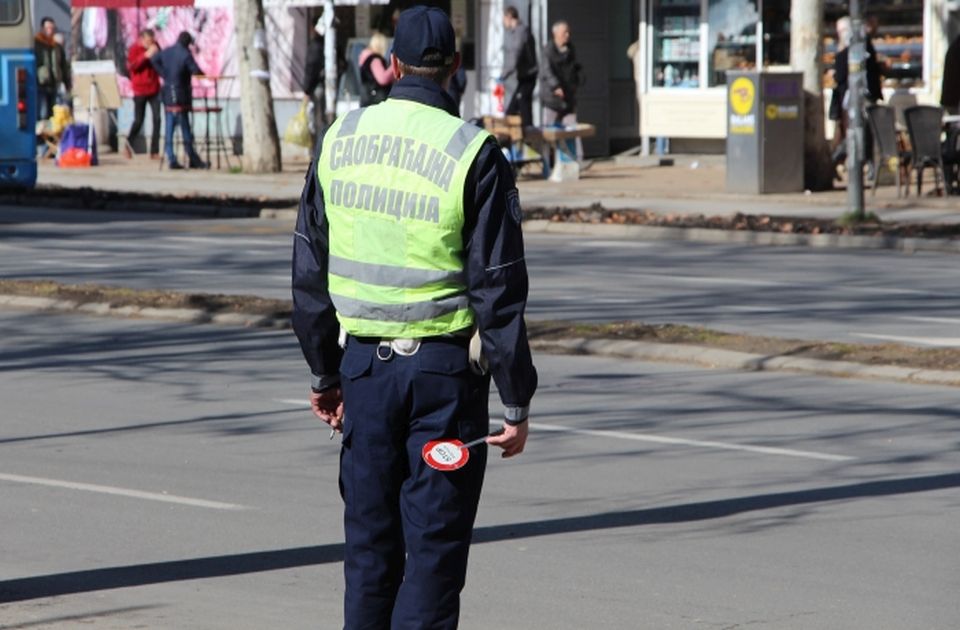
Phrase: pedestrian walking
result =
(561, 76)
(53, 69)
(145, 83)
(520, 70)
(176, 66)
(314, 72)
(375, 73)
(407, 247)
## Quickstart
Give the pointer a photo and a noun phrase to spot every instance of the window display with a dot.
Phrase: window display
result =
(676, 46)
(733, 26)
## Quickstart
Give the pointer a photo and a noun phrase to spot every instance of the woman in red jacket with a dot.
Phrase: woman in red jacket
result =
(146, 89)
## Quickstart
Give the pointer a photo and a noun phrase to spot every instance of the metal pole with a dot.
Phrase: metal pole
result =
(330, 61)
(855, 85)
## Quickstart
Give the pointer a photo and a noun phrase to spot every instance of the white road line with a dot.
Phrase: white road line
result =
(66, 262)
(942, 342)
(660, 439)
(932, 320)
(123, 492)
(233, 240)
(663, 439)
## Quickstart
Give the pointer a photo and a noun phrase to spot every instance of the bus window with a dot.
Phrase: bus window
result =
(11, 11)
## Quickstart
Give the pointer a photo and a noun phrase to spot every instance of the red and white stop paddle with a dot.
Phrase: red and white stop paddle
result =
(447, 455)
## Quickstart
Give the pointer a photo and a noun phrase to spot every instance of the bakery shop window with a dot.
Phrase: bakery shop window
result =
(895, 28)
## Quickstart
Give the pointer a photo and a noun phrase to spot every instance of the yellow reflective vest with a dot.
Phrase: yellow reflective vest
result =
(392, 177)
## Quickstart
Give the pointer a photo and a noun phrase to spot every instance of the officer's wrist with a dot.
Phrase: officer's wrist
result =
(322, 383)
(514, 416)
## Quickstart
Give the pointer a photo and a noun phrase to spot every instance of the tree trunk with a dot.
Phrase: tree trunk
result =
(806, 56)
(261, 144)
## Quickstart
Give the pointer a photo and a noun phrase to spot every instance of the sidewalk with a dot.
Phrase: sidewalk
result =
(694, 185)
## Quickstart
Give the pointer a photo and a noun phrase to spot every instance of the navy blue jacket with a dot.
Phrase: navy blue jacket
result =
(494, 267)
(176, 66)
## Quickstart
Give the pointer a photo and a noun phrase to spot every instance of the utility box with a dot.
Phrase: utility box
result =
(764, 132)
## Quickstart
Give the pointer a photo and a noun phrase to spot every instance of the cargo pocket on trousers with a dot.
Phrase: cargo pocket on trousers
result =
(454, 361)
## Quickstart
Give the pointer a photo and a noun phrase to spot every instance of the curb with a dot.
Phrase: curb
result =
(183, 315)
(744, 237)
(745, 361)
(208, 207)
(636, 350)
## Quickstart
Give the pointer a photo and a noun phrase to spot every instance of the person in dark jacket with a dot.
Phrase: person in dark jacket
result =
(145, 83)
(375, 73)
(176, 66)
(53, 69)
(950, 91)
(839, 100)
(313, 78)
(520, 70)
(408, 527)
(561, 76)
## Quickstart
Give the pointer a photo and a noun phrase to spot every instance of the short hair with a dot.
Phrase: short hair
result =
(184, 38)
(147, 32)
(511, 11)
(44, 20)
(558, 24)
(437, 74)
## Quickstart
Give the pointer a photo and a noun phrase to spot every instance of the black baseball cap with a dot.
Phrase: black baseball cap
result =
(421, 33)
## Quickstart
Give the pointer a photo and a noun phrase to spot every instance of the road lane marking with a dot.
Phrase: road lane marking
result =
(660, 439)
(123, 492)
(933, 320)
(663, 439)
(942, 342)
(234, 240)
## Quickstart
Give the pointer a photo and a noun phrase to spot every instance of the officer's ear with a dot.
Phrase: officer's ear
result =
(453, 70)
(395, 66)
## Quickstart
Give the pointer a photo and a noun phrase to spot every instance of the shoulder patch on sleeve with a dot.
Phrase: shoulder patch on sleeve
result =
(513, 206)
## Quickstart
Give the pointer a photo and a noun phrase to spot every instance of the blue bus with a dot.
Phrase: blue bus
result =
(18, 96)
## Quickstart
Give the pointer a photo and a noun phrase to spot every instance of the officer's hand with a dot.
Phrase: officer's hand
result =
(328, 406)
(512, 440)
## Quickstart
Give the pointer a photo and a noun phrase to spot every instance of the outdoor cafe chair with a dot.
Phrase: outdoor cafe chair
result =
(887, 151)
(924, 124)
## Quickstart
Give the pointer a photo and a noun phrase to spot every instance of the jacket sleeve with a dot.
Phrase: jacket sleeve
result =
(511, 53)
(192, 66)
(314, 318)
(496, 276)
(548, 77)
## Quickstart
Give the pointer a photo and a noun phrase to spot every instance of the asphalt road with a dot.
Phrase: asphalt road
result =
(844, 295)
(168, 476)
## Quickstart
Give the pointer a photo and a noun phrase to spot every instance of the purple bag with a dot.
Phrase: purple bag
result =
(75, 137)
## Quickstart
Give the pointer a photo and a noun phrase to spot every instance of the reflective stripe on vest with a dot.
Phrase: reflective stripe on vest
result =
(393, 177)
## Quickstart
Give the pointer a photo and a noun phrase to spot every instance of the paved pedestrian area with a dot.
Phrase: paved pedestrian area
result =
(694, 185)
(169, 476)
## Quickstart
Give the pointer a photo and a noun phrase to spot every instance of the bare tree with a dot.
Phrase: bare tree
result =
(261, 144)
(806, 56)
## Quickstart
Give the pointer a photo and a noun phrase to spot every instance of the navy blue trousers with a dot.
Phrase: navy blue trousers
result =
(407, 526)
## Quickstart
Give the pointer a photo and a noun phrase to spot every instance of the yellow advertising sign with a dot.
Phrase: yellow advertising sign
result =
(742, 93)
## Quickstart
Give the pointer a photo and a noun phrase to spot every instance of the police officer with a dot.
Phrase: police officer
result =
(408, 241)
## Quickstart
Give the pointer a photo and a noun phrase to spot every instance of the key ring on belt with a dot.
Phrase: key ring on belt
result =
(403, 347)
